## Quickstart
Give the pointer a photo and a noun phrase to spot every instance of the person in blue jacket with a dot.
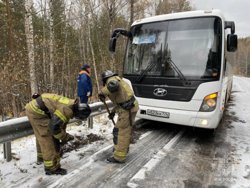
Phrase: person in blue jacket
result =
(84, 84)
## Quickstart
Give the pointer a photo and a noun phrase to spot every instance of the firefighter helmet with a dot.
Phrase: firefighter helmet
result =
(81, 111)
(107, 74)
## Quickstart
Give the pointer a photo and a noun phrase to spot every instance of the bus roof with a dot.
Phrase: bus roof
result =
(179, 15)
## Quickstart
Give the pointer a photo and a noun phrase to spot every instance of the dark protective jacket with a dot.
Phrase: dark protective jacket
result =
(84, 86)
(60, 111)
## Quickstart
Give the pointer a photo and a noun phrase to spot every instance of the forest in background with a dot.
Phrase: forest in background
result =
(44, 43)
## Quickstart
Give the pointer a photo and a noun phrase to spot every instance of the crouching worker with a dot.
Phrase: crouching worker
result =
(126, 106)
(48, 115)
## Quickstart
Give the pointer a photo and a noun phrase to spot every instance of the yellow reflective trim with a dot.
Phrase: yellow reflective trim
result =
(40, 155)
(48, 163)
(64, 100)
(51, 96)
(60, 115)
(35, 108)
(84, 72)
(59, 136)
(120, 153)
(59, 98)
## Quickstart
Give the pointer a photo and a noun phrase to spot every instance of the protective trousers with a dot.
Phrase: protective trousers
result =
(122, 134)
(39, 150)
(46, 147)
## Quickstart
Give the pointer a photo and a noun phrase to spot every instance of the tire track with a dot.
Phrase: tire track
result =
(96, 172)
(142, 156)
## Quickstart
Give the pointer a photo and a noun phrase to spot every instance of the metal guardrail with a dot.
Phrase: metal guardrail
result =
(20, 127)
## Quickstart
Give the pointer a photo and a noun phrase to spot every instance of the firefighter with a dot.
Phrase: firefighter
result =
(126, 106)
(48, 115)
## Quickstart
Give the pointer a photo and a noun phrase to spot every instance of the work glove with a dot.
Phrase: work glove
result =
(68, 137)
(111, 115)
(101, 97)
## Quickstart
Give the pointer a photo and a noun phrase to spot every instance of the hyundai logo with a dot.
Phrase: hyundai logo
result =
(160, 92)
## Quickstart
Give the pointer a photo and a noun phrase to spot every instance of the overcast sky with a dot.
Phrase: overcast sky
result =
(233, 10)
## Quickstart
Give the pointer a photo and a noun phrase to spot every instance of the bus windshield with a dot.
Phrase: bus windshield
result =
(192, 45)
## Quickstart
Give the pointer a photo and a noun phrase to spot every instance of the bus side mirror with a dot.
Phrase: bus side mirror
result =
(232, 42)
(115, 35)
(112, 44)
(230, 25)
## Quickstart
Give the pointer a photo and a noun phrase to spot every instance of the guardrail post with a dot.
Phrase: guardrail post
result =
(6, 147)
(90, 122)
(20, 127)
(7, 151)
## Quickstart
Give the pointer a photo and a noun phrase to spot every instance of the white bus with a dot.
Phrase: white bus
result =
(178, 68)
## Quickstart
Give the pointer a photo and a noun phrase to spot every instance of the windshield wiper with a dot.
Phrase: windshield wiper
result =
(144, 72)
(182, 77)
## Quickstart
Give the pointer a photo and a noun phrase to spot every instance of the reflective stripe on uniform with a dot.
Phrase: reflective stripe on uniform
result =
(59, 136)
(84, 72)
(40, 155)
(61, 116)
(64, 100)
(33, 106)
(52, 164)
(60, 99)
(120, 155)
(48, 164)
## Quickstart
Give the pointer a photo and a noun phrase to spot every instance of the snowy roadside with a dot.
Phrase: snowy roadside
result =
(230, 166)
(24, 164)
(238, 132)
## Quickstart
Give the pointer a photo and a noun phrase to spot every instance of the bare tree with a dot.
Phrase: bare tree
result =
(44, 10)
(66, 34)
(30, 45)
(169, 6)
(88, 10)
(51, 48)
(131, 12)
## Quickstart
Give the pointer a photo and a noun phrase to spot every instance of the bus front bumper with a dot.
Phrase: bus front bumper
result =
(207, 120)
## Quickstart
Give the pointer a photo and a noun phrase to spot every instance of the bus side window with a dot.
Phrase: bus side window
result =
(212, 64)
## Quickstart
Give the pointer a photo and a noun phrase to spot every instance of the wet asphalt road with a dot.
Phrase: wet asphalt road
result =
(197, 159)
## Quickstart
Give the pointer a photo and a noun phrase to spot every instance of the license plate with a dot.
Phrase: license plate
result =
(158, 113)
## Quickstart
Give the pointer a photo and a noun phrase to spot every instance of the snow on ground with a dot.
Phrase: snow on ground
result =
(24, 150)
(239, 134)
(24, 164)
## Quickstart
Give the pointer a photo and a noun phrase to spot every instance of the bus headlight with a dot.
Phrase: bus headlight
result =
(209, 103)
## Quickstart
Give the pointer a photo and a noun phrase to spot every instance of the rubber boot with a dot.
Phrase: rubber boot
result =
(59, 171)
(39, 161)
(113, 160)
